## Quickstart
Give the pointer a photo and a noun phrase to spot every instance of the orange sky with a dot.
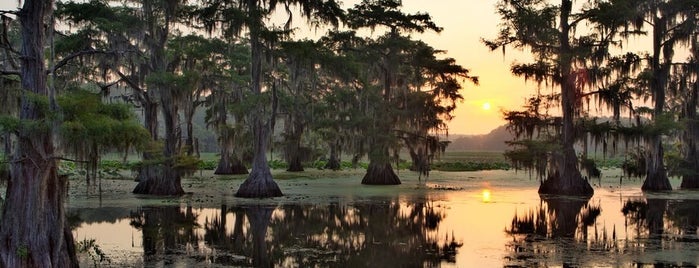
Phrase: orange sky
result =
(465, 23)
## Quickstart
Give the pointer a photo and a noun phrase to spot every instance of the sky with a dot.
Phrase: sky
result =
(465, 23)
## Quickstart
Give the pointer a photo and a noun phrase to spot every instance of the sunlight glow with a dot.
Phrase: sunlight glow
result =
(485, 196)
(486, 106)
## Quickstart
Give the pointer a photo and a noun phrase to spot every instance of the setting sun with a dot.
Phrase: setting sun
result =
(486, 106)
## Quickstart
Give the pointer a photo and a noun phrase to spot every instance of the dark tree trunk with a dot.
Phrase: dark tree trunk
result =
(295, 163)
(237, 166)
(259, 218)
(230, 165)
(334, 161)
(164, 179)
(161, 181)
(656, 175)
(380, 171)
(293, 145)
(34, 231)
(189, 142)
(690, 135)
(224, 163)
(259, 183)
(564, 178)
(150, 121)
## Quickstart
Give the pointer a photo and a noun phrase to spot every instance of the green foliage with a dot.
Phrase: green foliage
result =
(208, 165)
(90, 123)
(277, 164)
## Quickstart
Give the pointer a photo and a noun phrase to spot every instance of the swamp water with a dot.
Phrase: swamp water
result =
(460, 219)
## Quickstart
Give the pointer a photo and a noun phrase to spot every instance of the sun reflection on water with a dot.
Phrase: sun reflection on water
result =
(485, 195)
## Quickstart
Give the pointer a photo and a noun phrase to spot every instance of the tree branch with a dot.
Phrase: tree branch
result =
(70, 57)
(128, 81)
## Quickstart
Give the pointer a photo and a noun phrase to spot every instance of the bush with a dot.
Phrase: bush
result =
(208, 165)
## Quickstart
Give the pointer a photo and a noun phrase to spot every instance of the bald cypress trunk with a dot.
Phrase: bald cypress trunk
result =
(34, 231)
(690, 137)
(294, 132)
(162, 178)
(380, 171)
(656, 175)
(564, 177)
(259, 183)
(334, 161)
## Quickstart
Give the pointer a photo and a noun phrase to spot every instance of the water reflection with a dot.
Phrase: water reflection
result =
(387, 233)
(609, 230)
(166, 230)
(569, 233)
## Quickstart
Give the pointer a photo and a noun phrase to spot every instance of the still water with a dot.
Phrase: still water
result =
(460, 220)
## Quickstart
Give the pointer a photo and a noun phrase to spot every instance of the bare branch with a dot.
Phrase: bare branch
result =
(70, 57)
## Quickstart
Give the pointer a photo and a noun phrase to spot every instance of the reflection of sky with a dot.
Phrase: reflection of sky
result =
(459, 196)
(475, 220)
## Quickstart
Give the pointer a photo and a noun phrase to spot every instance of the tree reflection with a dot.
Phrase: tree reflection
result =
(361, 235)
(384, 233)
(646, 216)
(553, 233)
(684, 216)
(663, 224)
(166, 231)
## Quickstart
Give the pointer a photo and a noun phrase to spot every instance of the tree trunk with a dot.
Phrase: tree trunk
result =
(34, 231)
(230, 165)
(150, 121)
(237, 166)
(189, 142)
(334, 161)
(294, 131)
(260, 183)
(380, 171)
(564, 178)
(690, 135)
(224, 163)
(656, 176)
(161, 181)
(293, 158)
(164, 179)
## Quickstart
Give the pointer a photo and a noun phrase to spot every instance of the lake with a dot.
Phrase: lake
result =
(458, 219)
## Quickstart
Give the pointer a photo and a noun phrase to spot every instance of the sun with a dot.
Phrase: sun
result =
(486, 106)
